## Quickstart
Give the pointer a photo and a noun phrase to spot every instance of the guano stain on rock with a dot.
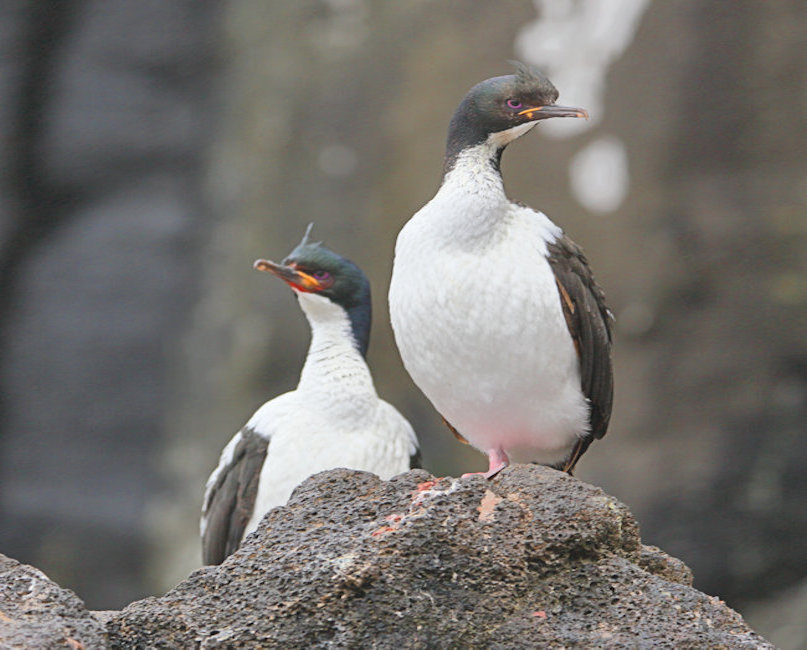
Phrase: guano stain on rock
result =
(487, 507)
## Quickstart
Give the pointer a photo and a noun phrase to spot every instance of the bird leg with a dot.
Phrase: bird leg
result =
(497, 461)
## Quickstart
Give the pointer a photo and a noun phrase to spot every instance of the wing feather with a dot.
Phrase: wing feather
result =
(230, 497)
(589, 322)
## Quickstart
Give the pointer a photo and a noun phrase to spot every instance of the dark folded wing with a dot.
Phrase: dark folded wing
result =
(589, 322)
(230, 500)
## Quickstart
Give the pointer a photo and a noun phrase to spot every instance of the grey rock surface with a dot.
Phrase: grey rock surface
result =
(534, 558)
(37, 613)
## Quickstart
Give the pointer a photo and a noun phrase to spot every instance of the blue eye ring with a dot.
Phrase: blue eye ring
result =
(321, 275)
(513, 103)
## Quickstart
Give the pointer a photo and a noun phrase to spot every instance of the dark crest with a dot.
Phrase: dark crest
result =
(304, 241)
(527, 75)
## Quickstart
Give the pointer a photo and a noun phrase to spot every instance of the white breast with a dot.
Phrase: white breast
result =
(477, 319)
(305, 442)
(333, 419)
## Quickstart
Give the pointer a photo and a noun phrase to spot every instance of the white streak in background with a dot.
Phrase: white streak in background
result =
(599, 174)
(574, 42)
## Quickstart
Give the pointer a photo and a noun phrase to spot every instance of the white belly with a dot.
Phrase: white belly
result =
(482, 333)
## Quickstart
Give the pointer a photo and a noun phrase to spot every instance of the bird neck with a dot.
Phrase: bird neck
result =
(465, 134)
(464, 140)
(335, 369)
(471, 202)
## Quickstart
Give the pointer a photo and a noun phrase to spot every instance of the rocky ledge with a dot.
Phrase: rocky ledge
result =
(534, 558)
(37, 613)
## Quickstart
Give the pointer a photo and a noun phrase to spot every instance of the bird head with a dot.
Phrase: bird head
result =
(311, 269)
(501, 109)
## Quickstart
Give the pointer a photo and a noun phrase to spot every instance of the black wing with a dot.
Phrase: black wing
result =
(589, 322)
(230, 501)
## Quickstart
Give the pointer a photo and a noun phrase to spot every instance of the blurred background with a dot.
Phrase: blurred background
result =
(151, 150)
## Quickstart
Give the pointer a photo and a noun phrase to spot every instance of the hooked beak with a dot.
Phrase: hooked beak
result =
(290, 275)
(552, 110)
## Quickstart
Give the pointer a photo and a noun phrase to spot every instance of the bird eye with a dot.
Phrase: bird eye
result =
(513, 103)
(321, 275)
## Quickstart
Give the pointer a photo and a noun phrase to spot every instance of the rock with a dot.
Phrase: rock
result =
(653, 560)
(534, 558)
(37, 613)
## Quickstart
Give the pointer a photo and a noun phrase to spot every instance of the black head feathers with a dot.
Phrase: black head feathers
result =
(493, 109)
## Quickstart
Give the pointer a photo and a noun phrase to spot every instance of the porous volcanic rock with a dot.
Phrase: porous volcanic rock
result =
(35, 612)
(533, 558)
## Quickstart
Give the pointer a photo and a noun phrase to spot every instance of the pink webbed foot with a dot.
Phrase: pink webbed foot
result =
(497, 461)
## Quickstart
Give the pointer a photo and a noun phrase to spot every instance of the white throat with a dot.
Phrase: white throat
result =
(503, 138)
(334, 370)
(471, 205)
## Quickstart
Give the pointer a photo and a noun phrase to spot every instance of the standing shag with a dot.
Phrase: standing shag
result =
(495, 311)
(334, 418)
